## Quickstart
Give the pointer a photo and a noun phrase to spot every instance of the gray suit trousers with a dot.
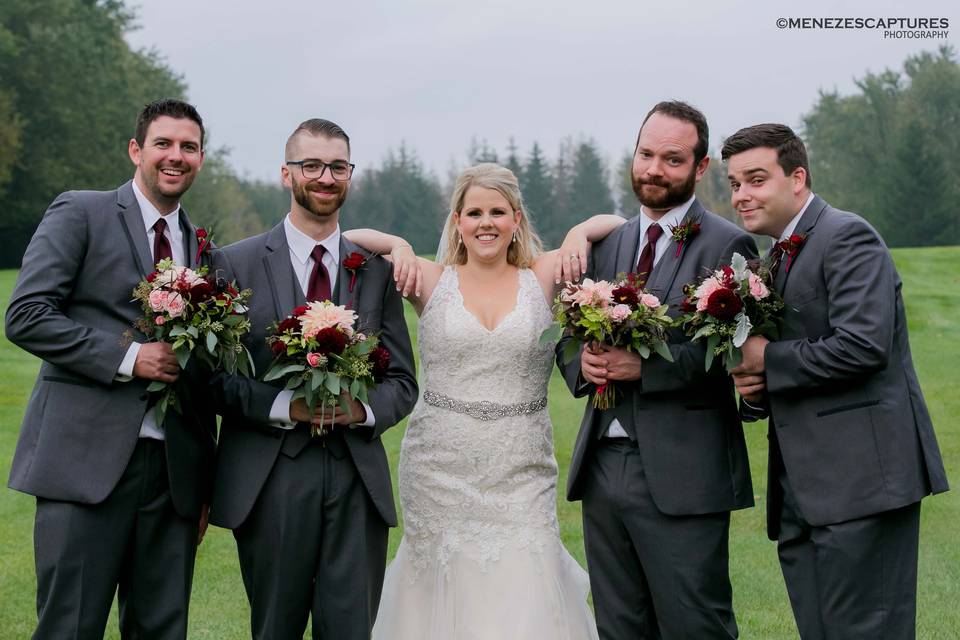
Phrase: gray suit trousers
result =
(314, 544)
(652, 575)
(854, 580)
(134, 539)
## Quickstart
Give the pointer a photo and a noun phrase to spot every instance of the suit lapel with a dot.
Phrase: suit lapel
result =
(131, 220)
(276, 262)
(666, 269)
(341, 291)
(189, 240)
(804, 227)
(625, 260)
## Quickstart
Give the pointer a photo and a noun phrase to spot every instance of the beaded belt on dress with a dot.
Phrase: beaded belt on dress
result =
(484, 410)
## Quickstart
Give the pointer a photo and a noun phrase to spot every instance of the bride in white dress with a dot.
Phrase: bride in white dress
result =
(481, 556)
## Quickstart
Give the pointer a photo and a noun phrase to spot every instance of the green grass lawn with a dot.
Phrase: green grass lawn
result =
(219, 609)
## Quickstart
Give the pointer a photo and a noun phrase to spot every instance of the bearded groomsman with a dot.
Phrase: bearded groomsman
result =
(310, 514)
(852, 447)
(660, 472)
(121, 499)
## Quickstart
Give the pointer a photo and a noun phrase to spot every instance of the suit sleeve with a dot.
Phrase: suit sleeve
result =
(396, 394)
(861, 291)
(687, 370)
(35, 319)
(238, 394)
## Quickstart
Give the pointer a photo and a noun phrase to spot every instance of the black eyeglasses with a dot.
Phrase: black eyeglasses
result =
(313, 169)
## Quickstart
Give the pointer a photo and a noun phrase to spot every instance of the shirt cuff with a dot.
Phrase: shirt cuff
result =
(371, 419)
(125, 370)
(280, 410)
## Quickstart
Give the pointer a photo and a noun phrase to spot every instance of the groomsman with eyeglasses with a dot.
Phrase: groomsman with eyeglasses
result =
(310, 514)
(852, 446)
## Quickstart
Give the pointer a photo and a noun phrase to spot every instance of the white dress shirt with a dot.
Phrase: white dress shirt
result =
(301, 247)
(149, 427)
(670, 219)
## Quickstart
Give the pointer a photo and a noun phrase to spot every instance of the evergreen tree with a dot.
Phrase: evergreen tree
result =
(536, 186)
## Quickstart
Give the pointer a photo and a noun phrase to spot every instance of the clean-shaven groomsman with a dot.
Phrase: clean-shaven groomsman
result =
(310, 515)
(852, 447)
(660, 472)
(121, 500)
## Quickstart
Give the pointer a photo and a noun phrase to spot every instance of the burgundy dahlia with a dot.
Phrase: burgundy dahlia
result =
(724, 304)
(380, 357)
(289, 324)
(330, 340)
(627, 296)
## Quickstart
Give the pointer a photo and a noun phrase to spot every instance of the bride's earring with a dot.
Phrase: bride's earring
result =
(459, 241)
(514, 236)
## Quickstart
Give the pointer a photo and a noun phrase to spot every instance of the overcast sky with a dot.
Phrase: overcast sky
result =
(435, 74)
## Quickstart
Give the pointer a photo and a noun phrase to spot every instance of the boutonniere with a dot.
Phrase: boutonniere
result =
(353, 263)
(684, 233)
(204, 242)
(791, 247)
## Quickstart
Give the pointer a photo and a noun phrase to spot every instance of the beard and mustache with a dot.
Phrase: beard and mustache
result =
(302, 191)
(672, 194)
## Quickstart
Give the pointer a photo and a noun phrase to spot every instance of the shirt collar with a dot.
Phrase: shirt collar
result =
(671, 218)
(302, 245)
(151, 214)
(796, 219)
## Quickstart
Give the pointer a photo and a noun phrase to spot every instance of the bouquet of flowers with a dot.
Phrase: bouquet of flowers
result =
(199, 315)
(619, 314)
(730, 305)
(323, 357)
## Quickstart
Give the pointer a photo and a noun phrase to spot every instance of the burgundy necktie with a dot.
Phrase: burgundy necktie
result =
(649, 253)
(319, 287)
(161, 246)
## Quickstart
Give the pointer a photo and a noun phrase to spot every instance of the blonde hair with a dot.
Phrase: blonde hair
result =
(491, 176)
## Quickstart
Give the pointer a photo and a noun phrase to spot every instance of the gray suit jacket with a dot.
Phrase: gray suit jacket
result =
(72, 308)
(850, 419)
(684, 418)
(248, 445)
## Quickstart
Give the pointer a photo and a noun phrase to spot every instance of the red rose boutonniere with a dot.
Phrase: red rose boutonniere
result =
(684, 233)
(791, 247)
(204, 241)
(353, 263)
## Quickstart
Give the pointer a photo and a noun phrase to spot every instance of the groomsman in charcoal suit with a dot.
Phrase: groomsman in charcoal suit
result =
(660, 472)
(852, 447)
(310, 515)
(121, 500)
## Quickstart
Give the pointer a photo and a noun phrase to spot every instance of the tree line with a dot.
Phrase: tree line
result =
(72, 87)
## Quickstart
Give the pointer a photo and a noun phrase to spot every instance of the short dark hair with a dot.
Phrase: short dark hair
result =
(789, 147)
(319, 127)
(687, 113)
(165, 107)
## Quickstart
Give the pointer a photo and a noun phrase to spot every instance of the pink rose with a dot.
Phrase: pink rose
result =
(313, 359)
(758, 290)
(650, 300)
(174, 305)
(158, 299)
(159, 321)
(618, 313)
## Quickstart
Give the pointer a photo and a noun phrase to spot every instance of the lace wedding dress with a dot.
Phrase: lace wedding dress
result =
(481, 557)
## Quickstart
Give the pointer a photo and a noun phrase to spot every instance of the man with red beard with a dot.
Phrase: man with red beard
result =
(660, 472)
(121, 498)
(310, 514)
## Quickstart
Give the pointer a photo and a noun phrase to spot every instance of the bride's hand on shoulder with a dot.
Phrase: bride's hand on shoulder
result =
(570, 261)
(407, 270)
